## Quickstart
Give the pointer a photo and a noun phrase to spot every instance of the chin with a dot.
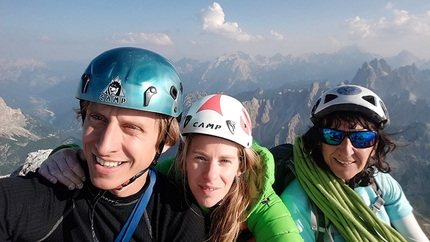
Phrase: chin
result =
(103, 184)
(207, 204)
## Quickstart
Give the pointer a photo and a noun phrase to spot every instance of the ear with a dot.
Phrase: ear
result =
(238, 172)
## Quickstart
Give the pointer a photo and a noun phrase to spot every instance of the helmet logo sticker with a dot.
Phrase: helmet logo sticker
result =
(113, 93)
(187, 120)
(231, 126)
(203, 125)
(348, 90)
(245, 122)
(213, 103)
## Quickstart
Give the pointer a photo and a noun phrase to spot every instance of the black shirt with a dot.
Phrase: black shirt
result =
(32, 209)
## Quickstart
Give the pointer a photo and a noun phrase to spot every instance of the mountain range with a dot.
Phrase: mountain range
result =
(37, 102)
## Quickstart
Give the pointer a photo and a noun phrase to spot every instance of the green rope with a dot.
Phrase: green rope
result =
(339, 203)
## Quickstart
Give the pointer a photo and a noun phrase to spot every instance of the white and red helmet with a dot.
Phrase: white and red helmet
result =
(351, 98)
(221, 116)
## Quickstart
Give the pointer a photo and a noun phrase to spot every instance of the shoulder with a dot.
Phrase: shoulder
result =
(260, 181)
(33, 189)
(25, 199)
(387, 183)
(391, 190)
(31, 183)
(294, 195)
(396, 203)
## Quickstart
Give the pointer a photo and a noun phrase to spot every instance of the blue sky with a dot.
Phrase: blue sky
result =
(80, 30)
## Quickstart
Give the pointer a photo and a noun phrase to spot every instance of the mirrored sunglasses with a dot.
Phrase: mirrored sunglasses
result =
(359, 139)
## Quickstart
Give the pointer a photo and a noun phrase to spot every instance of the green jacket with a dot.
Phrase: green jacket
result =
(269, 219)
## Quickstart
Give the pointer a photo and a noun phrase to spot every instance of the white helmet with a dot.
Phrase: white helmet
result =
(351, 98)
(221, 116)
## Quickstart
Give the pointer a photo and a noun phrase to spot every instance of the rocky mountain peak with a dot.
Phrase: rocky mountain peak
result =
(370, 72)
(380, 67)
(405, 58)
(13, 123)
(31, 163)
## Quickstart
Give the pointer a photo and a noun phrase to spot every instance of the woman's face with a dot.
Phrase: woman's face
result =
(212, 165)
(344, 160)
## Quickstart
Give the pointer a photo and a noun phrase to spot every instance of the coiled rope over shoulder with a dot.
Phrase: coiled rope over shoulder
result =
(339, 203)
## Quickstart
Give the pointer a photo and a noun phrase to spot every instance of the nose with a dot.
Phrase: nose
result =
(211, 170)
(109, 140)
(346, 147)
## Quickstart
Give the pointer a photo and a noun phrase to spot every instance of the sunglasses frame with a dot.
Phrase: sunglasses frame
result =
(348, 134)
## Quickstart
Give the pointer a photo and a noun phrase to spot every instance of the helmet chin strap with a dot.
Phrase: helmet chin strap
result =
(153, 163)
(131, 180)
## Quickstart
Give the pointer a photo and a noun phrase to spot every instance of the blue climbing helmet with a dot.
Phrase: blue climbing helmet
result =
(133, 78)
(351, 98)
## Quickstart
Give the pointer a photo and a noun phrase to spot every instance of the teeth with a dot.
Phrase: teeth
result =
(343, 162)
(108, 163)
(207, 188)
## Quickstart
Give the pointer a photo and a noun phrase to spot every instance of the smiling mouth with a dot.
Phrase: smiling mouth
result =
(108, 163)
(208, 188)
(343, 162)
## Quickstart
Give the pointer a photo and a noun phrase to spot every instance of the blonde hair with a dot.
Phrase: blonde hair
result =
(227, 218)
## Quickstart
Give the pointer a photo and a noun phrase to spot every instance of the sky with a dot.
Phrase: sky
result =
(80, 29)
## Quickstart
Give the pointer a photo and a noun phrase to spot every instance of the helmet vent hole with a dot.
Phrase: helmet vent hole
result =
(173, 92)
(151, 91)
(85, 81)
(316, 105)
(329, 97)
(369, 99)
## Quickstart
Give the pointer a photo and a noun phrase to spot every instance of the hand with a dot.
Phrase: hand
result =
(64, 166)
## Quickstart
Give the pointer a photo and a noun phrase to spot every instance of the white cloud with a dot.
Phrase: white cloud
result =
(138, 38)
(358, 28)
(398, 24)
(258, 37)
(405, 23)
(213, 19)
(389, 5)
(277, 35)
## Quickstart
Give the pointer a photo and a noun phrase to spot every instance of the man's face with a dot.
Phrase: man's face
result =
(118, 143)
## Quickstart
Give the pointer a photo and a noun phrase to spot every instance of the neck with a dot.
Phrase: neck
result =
(132, 188)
